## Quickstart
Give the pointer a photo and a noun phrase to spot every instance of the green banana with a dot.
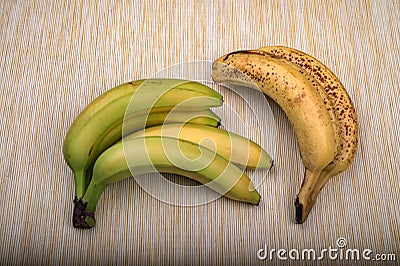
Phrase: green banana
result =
(202, 117)
(237, 149)
(154, 153)
(99, 124)
(137, 122)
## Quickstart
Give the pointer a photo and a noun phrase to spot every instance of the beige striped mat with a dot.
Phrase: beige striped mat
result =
(57, 56)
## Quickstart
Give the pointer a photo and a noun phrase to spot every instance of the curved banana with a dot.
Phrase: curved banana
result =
(202, 117)
(94, 124)
(346, 116)
(138, 122)
(295, 94)
(153, 153)
(135, 123)
(237, 149)
(330, 107)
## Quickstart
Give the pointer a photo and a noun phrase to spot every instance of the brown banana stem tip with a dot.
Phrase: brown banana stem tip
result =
(299, 211)
(303, 210)
(80, 214)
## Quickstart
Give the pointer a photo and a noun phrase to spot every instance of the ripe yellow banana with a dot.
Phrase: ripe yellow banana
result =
(95, 127)
(345, 113)
(330, 107)
(154, 153)
(295, 94)
(235, 148)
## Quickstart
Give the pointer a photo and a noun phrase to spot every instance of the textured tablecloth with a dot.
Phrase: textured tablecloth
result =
(57, 56)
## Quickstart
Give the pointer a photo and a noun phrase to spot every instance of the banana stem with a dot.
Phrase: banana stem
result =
(92, 195)
(322, 180)
(80, 183)
(81, 217)
(307, 196)
(305, 201)
(85, 207)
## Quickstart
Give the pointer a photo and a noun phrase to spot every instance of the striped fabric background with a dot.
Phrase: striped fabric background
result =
(57, 56)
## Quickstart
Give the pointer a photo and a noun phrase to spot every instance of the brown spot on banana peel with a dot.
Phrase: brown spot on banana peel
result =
(322, 93)
(336, 92)
(293, 92)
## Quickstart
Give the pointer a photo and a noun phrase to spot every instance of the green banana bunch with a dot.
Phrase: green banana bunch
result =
(156, 125)
(102, 122)
(315, 102)
(154, 150)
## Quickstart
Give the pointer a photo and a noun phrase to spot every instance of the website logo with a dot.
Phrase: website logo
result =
(339, 252)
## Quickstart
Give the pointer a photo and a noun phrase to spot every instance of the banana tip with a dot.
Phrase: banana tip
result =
(299, 211)
(272, 165)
